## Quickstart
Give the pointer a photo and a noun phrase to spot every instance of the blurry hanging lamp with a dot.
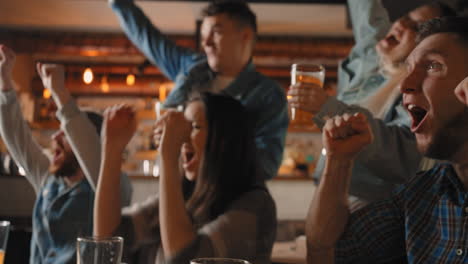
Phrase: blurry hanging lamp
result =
(130, 79)
(46, 94)
(88, 76)
(104, 84)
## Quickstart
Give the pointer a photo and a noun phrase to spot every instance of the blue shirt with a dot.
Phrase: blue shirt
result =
(425, 221)
(259, 94)
(392, 156)
(61, 214)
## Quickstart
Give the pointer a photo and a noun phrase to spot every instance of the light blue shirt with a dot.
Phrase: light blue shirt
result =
(61, 214)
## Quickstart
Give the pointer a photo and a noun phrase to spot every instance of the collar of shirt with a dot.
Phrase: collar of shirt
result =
(241, 83)
(220, 83)
(200, 77)
(451, 185)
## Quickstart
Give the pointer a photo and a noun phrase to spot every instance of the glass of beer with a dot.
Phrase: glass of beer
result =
(218, 261)
(99, 250)
(307, 74)
(4, 230)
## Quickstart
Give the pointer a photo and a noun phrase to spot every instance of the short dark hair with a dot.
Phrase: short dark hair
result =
(96, 119)
(237, 10)
(455, 25)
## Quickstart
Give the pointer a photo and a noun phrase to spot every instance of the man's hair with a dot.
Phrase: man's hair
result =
(237, 10)
(96, 119)
(455, 25)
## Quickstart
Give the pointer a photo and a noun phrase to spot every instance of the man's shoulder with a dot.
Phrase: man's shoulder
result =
(265, 81)
(267, 88)
(424, 184)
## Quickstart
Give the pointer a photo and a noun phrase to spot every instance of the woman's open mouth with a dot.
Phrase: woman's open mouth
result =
(418, 116)
(188, 157)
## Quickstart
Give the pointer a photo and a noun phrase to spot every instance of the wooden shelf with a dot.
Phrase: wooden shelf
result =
(303, 129)
(145, 155)
(146, 115)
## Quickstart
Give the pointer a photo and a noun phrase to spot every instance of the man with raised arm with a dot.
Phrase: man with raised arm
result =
(64, 183)
(368, 83)
(228, 36)
(424, 221)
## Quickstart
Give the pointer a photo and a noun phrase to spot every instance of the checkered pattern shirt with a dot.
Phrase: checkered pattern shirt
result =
(425, 221)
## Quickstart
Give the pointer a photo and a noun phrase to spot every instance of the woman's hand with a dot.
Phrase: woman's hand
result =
(462, 91)
(345, 136)
(119, 126)
(172, 130)
(7, 60)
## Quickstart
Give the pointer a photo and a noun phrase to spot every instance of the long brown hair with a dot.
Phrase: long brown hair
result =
(229, 165)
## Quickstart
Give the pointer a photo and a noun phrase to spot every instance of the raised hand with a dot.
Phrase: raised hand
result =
(174, 130)
(307, 97)
(119, 126)
(345, 136)
(462, 91)
(7, 60)
(52, 76)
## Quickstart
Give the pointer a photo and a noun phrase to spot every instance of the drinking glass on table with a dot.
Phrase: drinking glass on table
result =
(218, 261)
(97, 250)
(306, 74)
(4, 230)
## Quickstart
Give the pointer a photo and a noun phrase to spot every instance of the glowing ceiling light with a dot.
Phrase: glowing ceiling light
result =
(104, 84)
(130, 79)
(46, 94)
(88, 76)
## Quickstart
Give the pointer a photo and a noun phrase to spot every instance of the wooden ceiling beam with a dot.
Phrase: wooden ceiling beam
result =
(99, 46)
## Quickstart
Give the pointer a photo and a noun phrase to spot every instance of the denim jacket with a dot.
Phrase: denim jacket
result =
(60, 215)
(393, 156)
(259, 94)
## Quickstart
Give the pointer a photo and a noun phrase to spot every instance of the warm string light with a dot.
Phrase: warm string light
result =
(88, 76)
(46, 94)
(130, 79)
(104, 84)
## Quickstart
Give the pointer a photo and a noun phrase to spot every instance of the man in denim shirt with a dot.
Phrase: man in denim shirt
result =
(228, 37)
(65, 183)
(368, 83)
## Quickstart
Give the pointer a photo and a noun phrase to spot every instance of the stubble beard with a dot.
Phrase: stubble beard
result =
(67, 168)
(448, 141)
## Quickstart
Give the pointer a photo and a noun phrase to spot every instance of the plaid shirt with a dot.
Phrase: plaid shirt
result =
(426, 221)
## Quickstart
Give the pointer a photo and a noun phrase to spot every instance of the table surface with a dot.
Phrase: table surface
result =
(290, 252)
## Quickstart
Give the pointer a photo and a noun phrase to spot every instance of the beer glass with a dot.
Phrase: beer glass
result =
(218, 261)
(307, 74)
(97, 250)
(4, 229)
